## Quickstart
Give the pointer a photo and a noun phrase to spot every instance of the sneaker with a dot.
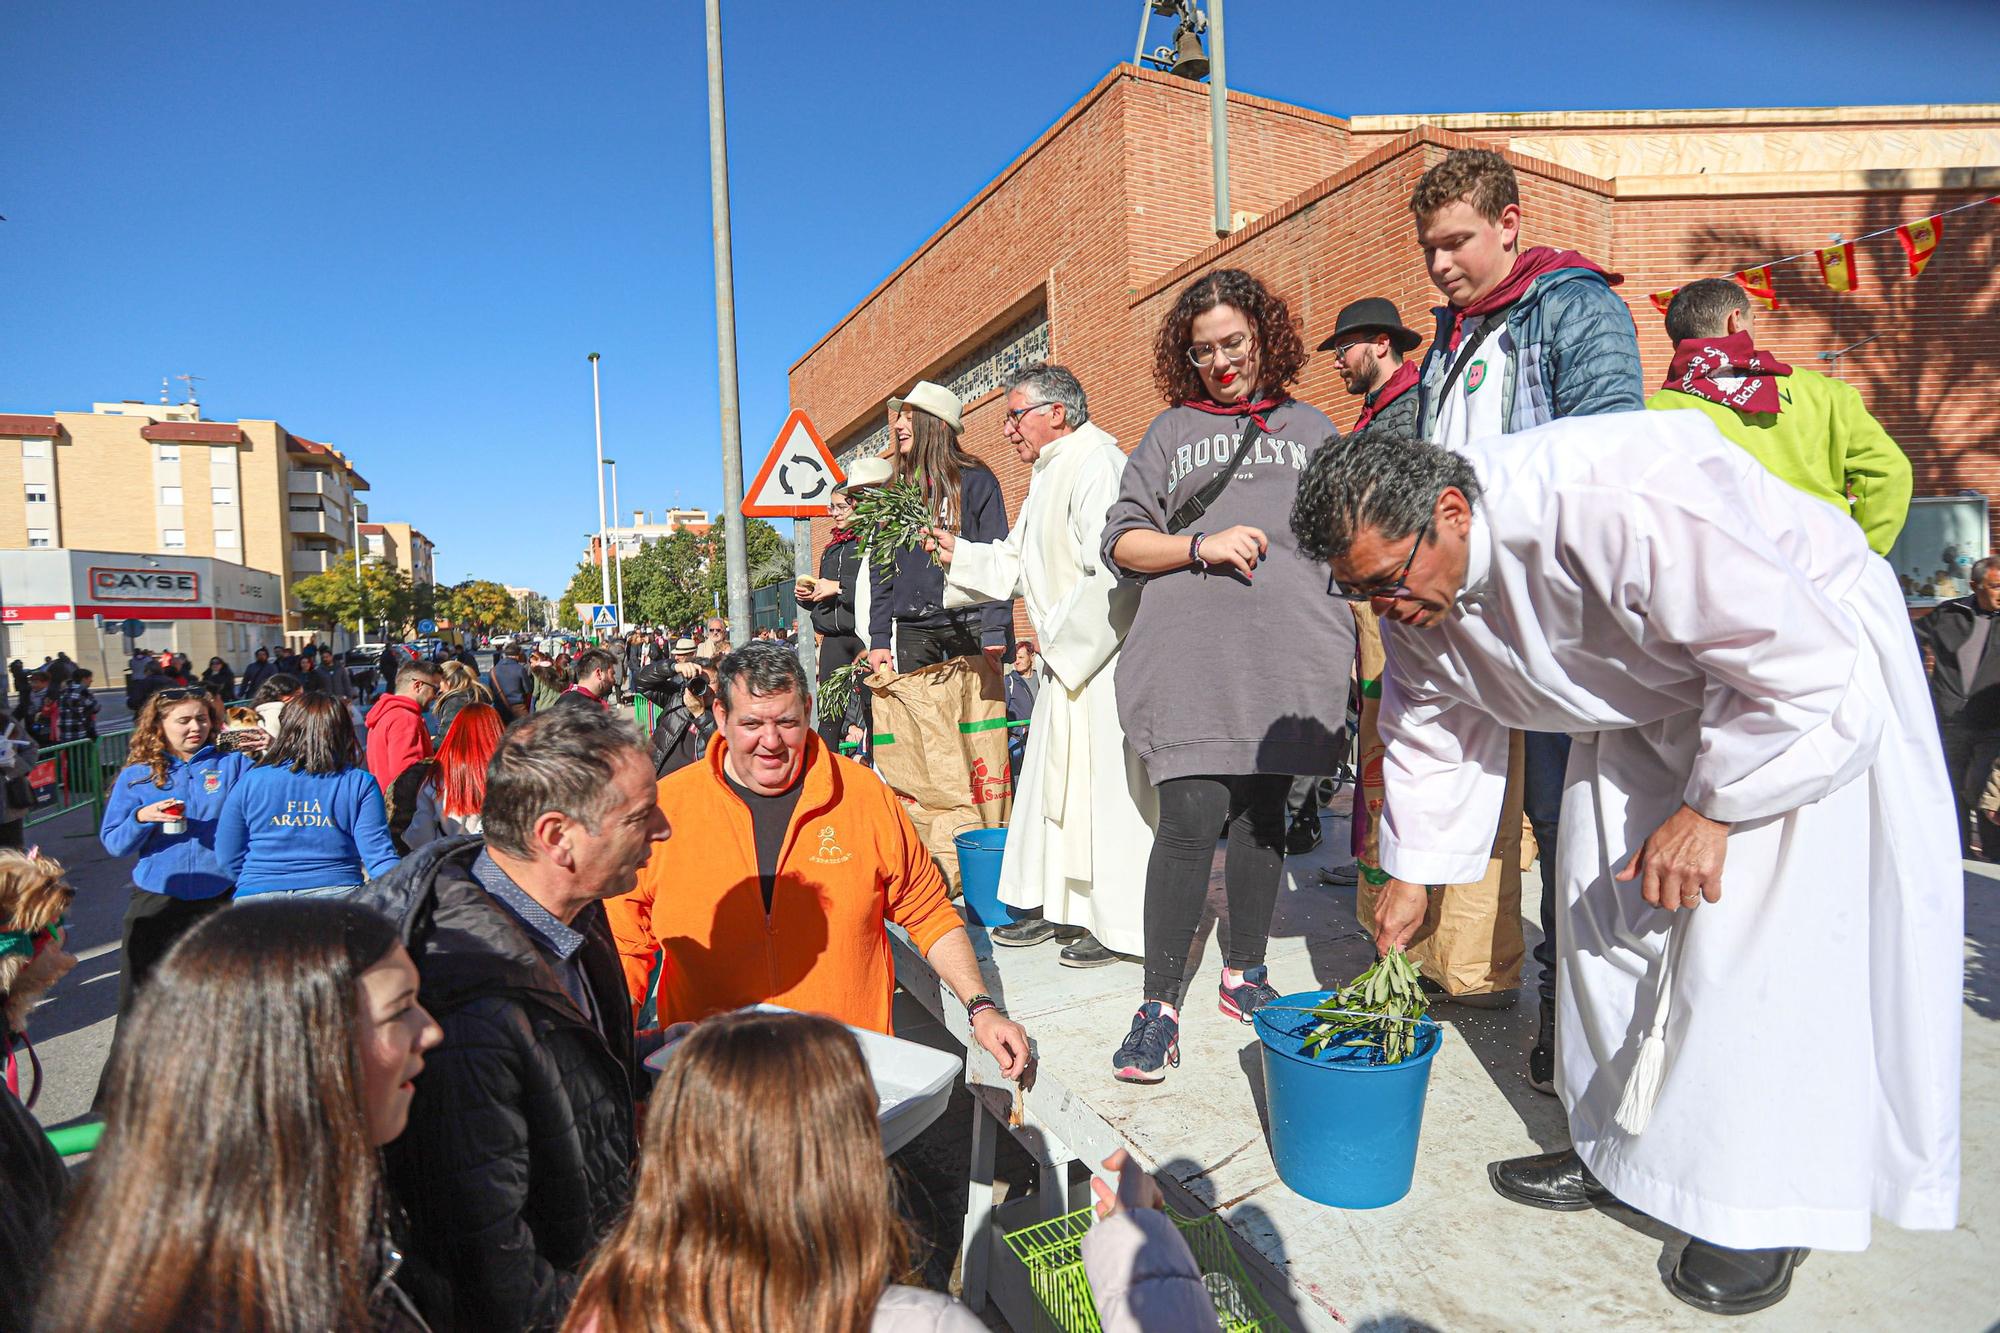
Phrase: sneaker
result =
(1342, 877)
(1247, 996)
(1304, 834)
(1542, 1069)
(1030, 930)
(1153, 1043)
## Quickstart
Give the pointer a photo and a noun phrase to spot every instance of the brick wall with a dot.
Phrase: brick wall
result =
(1109, 215)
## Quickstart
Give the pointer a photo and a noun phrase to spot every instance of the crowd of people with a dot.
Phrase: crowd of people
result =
(441, 960)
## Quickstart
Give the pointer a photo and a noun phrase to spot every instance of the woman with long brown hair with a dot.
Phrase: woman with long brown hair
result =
(906, 598)
(763, 1202)
(238, 1185)
(1204, 518)
(461, 687)
(163, 807)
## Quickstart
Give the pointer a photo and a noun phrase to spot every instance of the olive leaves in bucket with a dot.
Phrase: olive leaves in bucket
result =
(1378, 1009)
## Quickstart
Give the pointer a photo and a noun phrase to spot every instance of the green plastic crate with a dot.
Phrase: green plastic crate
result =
(1053, 1255)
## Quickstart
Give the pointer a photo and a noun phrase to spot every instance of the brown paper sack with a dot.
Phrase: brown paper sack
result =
(1471, 940)
(940, 742)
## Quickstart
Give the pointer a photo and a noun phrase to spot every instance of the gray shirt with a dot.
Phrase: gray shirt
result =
(1974, 647)
(1220, 675)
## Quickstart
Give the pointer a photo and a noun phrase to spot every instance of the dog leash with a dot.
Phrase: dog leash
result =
(14, 1070)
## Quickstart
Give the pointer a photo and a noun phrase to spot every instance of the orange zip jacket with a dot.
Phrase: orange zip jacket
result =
(851, 863)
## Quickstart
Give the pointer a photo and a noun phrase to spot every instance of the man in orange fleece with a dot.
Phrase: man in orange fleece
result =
(790, 864)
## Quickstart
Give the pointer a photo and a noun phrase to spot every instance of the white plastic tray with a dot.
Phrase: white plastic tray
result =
(912, 1081)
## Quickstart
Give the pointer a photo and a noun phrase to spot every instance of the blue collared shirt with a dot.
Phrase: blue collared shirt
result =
(556, 941)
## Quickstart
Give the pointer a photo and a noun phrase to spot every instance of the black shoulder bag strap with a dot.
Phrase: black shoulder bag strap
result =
(1468, 342)
(1199, 503)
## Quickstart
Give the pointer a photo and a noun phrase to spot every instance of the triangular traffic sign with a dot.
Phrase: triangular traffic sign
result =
(798, 477)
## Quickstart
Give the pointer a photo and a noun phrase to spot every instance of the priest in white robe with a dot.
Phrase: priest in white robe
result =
(1762, 904)
(1083, 810)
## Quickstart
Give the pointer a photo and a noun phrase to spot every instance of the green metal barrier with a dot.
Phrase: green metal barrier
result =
(74, 771)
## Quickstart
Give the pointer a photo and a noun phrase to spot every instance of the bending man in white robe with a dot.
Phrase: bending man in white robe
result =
(1083, 810)
(1753, 747)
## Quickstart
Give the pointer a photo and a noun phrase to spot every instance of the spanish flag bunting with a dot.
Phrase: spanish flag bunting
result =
(1661, 300)
(1920, 241)
(1836, 267)
(1756, 283)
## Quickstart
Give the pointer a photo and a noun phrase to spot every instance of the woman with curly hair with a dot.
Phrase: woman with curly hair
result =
(1204, 519)
(163, 807)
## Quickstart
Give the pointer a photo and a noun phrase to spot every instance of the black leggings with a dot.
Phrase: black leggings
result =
(1192, 812)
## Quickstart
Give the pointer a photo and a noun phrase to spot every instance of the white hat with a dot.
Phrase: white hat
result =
(869, 472)
(935, 399)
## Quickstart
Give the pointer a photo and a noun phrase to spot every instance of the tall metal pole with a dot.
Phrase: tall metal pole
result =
(360, 588)
(735, 542)
(802, 567)
(1139, 47)
(1218, 117)
(603, 556)
(617, 547)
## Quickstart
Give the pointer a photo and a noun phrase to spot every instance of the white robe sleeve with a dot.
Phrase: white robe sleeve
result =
(986, 571)
(1085, 627)
(1444, 778)
(1781, 726)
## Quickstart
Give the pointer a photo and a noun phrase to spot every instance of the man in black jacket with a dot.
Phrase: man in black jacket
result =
(253, 675)
(520, 1147)
(1964, 656)
(681, 688)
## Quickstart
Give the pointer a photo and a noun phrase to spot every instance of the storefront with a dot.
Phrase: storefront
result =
(83, 602)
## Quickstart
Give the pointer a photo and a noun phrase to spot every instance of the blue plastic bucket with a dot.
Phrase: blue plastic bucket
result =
(1343, 1131)
(979, 853)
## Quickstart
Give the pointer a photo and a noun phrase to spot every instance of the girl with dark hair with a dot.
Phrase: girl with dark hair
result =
(238, 1185)
(219, 680)
(906, 598)
(308, 819)
(271, 698)
(1204, 520)
(163, 806)
(448, 801)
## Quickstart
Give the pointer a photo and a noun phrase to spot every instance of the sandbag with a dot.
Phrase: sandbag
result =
(940, 742)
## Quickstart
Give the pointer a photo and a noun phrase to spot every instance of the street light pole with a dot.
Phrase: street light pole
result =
(1218, 118)
(617, 547)
(597, 413)
(735, 542)
(360, 588)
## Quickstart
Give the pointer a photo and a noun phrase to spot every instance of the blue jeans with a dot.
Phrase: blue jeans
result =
(322, 891)
(1545, 760)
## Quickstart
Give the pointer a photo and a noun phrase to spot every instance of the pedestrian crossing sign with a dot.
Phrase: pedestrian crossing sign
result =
(604, 617)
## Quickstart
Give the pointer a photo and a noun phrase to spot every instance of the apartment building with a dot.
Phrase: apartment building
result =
(152, 479)
(401, 547)
(628, 539)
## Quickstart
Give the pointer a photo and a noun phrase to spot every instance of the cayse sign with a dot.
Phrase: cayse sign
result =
(144, 585)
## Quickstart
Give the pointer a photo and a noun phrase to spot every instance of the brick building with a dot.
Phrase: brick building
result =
(1077, 248)
(155, 480)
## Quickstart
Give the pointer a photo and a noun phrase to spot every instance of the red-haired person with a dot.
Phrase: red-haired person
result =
(448, 803)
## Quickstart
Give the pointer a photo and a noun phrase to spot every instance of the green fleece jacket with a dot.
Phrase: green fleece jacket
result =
(1825, 443)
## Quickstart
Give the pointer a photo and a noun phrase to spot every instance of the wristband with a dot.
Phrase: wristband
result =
(1194, 551)
(979, 1004)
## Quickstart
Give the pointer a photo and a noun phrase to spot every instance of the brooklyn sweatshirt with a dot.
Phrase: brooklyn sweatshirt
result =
(1221, 675)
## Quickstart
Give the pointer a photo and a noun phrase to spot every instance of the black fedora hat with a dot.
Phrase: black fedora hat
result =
(1375, 314)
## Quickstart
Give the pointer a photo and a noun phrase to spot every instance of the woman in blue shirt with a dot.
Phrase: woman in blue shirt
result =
(308, 818)
(177, 880)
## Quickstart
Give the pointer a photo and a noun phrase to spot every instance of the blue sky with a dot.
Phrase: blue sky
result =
(399, 227)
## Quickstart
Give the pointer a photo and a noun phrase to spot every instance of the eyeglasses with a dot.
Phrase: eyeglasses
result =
(181, 692)
(1236, 349)
(1342, 349)
(1014, 416)
(1393, 589)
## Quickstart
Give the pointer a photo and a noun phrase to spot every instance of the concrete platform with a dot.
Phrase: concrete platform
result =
(1453, 1254)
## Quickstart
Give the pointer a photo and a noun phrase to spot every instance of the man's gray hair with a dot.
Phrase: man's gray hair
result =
(1047, 382)
(562, 760)
(1982, 567)
(1702, 309)
(1383, 478)
(762, 666)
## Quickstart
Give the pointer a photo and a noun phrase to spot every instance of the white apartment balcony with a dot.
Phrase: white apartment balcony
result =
(316, 524)
(312, 481)
(317, 561)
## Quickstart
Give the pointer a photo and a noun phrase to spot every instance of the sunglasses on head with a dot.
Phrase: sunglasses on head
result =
(181, 692)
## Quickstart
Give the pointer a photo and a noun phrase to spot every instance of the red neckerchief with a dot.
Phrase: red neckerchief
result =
(839, 535)
(1399, 383)
(1697, 361)
(1254, 409)
(1528, 265)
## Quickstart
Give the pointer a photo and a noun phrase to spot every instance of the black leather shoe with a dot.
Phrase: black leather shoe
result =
(1723, 1281)
(1032, 930)
(1085, 951)
(1555, 1180)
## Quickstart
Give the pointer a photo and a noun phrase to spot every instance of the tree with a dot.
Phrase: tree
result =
(680, 578)
(336, 599)
(479, 604)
